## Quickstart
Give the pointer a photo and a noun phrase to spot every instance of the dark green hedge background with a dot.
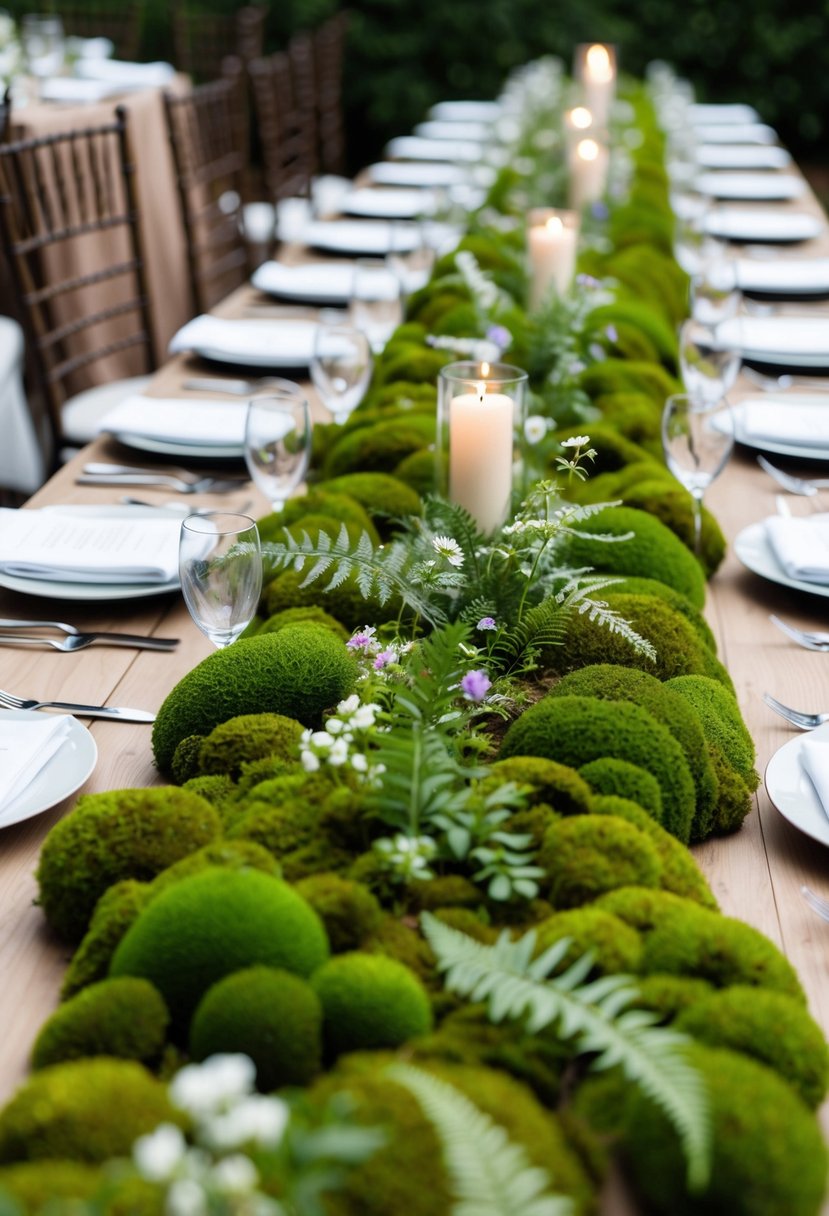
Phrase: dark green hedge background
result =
(405, 54)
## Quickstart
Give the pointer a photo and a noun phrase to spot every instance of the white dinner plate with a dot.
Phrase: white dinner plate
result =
(728, 112)
(476, 132)
(66, 772)
(782, 341)
(427, 173)
(390, 203)
(372, 238)
(465, 111)
(311, 282)
(95, 591)
(189, 451)
(410, 147)
(784, 276)
(735, 133)
(742, 156)
(755, 552)
(791, 791)
(754, 187)
(779, 446)
(282, 343)
(762, 224)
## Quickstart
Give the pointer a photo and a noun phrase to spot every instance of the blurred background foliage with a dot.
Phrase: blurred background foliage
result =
(405, 54)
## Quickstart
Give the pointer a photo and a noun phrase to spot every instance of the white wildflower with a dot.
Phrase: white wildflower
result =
(235, 1175)
(186, 1198)
(310, 761)
(365, 716)
(575, 441)
(202, 1088)
(334, 726)
(359, 762)
(349, 705)
(256, 1120)
(321, 738)
(535, 428)
(338, 753)
(157, 1155)
(449, 548)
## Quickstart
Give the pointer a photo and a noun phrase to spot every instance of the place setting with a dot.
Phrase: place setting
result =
(43, 759)
(797, 782)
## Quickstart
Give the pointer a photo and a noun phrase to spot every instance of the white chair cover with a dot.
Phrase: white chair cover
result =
(25, 456)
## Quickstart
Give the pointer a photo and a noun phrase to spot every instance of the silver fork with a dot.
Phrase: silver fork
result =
(113, 712)
(795, 485)
(797, 717)
(203, 485)
(79, 637)
(815, 902)
(809, 640)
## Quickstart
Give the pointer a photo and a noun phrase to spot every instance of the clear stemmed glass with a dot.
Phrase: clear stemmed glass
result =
(43, 44)
(341, 368)
(709, 368)
(278, 440)
(220, 564)
(697, 438)
(715, 293)
(376, 305)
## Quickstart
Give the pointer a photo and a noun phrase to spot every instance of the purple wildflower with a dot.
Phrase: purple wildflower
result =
(586, 280)
(599, 210)
(363, 639)
(612, 333)
(383, 658)
(486, 622)
(475, 685)
(500, 335)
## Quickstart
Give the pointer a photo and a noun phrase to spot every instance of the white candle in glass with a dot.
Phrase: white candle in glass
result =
(599, 82)
(552, 256)
(481, 454)
(588, 172)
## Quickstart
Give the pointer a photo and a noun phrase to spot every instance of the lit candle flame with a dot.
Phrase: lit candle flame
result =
(597, 63)
(554, 224)
(485, 370)
(581, 118)
(587, 149)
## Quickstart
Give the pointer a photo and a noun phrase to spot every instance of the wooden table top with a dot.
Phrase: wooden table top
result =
(756, 874)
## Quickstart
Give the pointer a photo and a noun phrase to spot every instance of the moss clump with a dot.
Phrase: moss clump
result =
(348, 910)
(249, 737)
(418, 471)
(671, 504)
(680, 873)
(575, 730)
(721, 721)
(588, 854)
(270, 1015)
(112, 836)
(345, 602)
(653, 547)
(674, 599)
(556, 785)
(611, 682)
(397, 940)
(609, 775)
(224, 854)
(309, 615)
(185, 762)
(446, 891)
(616, 947)
(125, 1018)
(735, 801)
(86, 1110)
(369, 1002)
(768, 1026)
(33, 1184)
(212, 924)
(114, 912)
(682, 938)
(298, 672)
(378, 448)
(280, 828)
(768, 1156)
(670, 995)
(217, 789)
(321, 501)
(385, 498)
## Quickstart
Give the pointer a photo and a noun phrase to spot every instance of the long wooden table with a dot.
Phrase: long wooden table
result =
(756, 874)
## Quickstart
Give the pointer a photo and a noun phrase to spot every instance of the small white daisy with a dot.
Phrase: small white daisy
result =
(535, 428)
(449, 548)
(575, 441)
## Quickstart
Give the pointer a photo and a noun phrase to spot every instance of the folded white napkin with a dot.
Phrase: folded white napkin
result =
(741, 156)
(76, 92)
(71, 548)
(412, 147)
(814, 757)
(801, 546)
(277, 343)
(126, 75)
(328, 282)
(783, 274)
(211, 423)
(26, 747)
(779, 422)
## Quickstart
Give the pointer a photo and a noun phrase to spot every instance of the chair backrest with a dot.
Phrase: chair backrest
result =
(210, 164)
(121, 23)
(69, 228)
(201, 40)
(304, 78)
(5, 112)
(329, 58)
(285, 129)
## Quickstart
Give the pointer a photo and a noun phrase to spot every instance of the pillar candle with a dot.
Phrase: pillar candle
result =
(588, 172)
(552, 256)
(481, 454)
(599, 82)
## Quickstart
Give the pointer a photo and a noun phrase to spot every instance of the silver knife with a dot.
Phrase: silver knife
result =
(80, 639)
(113, 712)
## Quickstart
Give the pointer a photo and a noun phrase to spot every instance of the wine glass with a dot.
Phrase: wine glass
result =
(220, 564)
(278, 440)
(376, 305)
(715, 294)
(709, 367)
(43, 44)
(697, 438)
(411, 258)
(341, 368)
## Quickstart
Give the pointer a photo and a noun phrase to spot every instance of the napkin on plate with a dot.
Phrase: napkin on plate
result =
(277, 343)
(175, 420)
(814, 758)
(125, 74)
(26, 747)
(76, 92)
(787, 423)
(80, 549)
(801, 546)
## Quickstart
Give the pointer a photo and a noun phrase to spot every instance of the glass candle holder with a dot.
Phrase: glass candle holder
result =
(594, 68)
(480, 429)
(552, 242)
(588, 165)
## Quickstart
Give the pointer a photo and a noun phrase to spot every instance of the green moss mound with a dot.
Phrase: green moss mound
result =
(225, 854)
(768, 1153)
(369, 1001)
(348, 910)
(309, 615)
(378, 448)
(112, 836)
(85, 1110)
(616, 947)
(298, 672)
(672, 505)
(611, 682)
(217, 789)
(575, 730)
(556, 785)
(249, 737)
(670, 995)
(346, 602)
(215, 923)
(609, 775)
(768, 1026)
(185, 762)
(588, 854)
(114, 912)
(384, 497)
(652, 548)
(634, 585)
(33, 1184)
(126, 1018)
(270, 1015)
(418, 472)
(721, 721)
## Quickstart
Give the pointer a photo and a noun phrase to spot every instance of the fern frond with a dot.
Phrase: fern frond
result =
(541, 627)
(594, 1015)
(490, 1174)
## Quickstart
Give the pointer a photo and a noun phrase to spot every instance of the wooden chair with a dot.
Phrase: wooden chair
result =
(286, 129)
(329, 58)
(121, 23)
(202, 40)
(5, 113)
(69, 229)
(301, 55)
(203, 127)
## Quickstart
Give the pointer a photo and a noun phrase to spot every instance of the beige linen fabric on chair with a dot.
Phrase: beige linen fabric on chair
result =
(25, 456)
